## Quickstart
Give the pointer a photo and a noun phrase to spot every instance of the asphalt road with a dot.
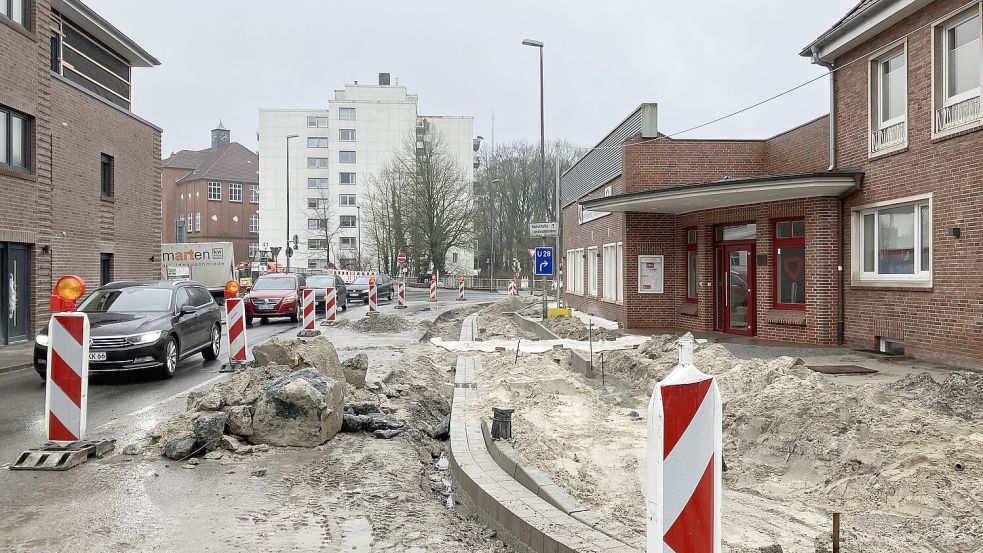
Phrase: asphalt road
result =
(123, 405)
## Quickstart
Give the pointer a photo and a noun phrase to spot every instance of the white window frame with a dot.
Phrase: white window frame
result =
(317, 182)
(341, 135)
(609, 282)
(254, 223)
(940, 65)
(235, 192)
(621, 272)
(343, 200)
(320, 122)
(342, 111)
(875, 102)
(253, 249)
(578, 277)
(949, 25)
(197, 221)
(254, 193)
(343, 218)
(341, 156)
(342, 246)
(592, 271)
(214, 191)
(342, 181)
(920, 278)
(317, 141)
(568, 267)
(319, 203)
(317, 163)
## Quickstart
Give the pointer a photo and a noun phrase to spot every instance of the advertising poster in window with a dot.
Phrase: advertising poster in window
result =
(651, 274)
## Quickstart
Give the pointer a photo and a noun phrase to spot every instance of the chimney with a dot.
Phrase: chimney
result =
(220, 135)
(383, 79)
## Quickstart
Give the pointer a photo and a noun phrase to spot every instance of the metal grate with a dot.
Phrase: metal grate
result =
(957, 114)
(109, 342)
(887, 137)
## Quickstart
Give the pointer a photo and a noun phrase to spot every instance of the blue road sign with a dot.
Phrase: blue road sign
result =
(544, 261)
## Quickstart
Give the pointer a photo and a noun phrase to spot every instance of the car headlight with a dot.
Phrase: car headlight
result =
(42, 339)
(247, 299)
(148, 338)
(290, 298)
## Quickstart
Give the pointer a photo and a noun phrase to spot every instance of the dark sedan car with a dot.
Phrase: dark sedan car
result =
(320, 285)
(359, 288)
(146, 325)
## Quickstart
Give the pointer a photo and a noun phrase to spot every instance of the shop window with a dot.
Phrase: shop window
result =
(790, 264)
(692, 280)
(612, 273)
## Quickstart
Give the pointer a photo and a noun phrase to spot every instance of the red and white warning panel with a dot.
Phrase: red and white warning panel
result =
(511, 288)
(401, 294)
(235, 317)
(460, 289)
(433, 288)
(684, 460)
(308, 307)
(330, 304)
(67, 387)
(373, 296)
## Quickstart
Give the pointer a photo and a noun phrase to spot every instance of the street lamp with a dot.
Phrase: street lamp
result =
(288, 251)
(542, 140)
(491, 223)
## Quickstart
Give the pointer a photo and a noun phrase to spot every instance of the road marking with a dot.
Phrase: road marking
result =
(154, 405)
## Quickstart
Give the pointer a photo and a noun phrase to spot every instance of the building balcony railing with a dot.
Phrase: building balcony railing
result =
(888, 137)
(957, 114)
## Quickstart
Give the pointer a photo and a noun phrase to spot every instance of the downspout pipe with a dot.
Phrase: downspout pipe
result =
(840, 323)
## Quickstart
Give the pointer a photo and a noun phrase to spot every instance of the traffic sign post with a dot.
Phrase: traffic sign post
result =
(544, 268)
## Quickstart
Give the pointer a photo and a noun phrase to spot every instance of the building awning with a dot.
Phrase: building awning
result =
(730, 192)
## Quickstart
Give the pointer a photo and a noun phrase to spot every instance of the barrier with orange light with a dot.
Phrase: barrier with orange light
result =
(232, 289)
(66, 293)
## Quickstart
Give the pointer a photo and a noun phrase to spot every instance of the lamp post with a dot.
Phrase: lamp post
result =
(542, 143)
(491, 223)
(358, 210)
(288, 251)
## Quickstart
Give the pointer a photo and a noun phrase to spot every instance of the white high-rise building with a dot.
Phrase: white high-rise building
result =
(335, 154)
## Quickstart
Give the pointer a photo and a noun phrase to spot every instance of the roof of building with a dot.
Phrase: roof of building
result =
(228, 162)
(93, 23)
(865, 20)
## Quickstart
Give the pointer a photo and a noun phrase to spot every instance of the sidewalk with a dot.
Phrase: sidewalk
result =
(16, 356)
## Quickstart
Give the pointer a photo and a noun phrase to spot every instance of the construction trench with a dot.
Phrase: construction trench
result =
(338, 443)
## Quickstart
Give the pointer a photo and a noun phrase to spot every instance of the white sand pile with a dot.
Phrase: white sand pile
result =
(575, 329)
(495, 320)
(798, 445)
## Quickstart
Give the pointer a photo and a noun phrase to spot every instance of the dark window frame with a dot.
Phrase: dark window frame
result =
(107, 175)
(691, 247)
(27, 140)
(26, 16)
(776, 244)
(105, 268)
(343, 218)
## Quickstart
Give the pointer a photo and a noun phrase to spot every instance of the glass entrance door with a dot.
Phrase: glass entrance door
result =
(14, 292)
(738, 289)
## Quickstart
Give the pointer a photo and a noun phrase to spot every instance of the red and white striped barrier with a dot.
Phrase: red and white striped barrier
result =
(373, 297)
(307, 306)
(401, 294)
(433, 289)
(235, 338)
(460, 290)
(511, 288)
(67, 387)
(684, 460)
(330, 305)
(349, 276)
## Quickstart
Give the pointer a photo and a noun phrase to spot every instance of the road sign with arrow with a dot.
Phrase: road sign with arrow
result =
(544, 261)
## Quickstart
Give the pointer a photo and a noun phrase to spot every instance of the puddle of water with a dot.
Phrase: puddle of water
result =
(356, 535)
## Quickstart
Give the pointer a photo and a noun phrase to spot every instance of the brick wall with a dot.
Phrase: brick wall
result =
(221, 221)
(804, 149)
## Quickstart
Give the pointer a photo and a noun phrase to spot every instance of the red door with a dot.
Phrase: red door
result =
(737, 280)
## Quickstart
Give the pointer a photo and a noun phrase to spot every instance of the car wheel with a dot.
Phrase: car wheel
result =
(42, 374)
(344, 306)
(215, 345)
(169, 367)
(249, 320)
(296, 316)
(390, 296)
(263, 321)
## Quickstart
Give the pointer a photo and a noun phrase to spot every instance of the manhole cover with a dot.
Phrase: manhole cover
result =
(841, 369)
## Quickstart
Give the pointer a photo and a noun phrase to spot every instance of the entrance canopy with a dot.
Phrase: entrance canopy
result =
(731, 192)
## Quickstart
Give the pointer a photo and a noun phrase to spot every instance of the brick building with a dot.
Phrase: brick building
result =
(213, 194)
(878, 247)
(79, 172)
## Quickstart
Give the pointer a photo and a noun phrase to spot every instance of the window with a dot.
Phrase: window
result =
(253, 250)
(894, 242)
(346, 135)
(346, 114)
(106, 171)
(316, 263)
(15, 10)
(568, 266)
(318, 203)
(254, 193)
(621, 272)
(317, 224)
(346, 199)
(317, 244)
(317, 163)
(235, 192)
(790, 264)
(346, 156)
(254, 223)
(191, 224)
(888, 100)
(347, 221)
(736, 232)
(198, 221)
(612, 272)
(347, 242)
(454, 257)
(317, 183)
(315, 122)
(214, 191)
(15, 138)
(55, 51)
(105, 268)
(317, 142)
(578, 272)
(346, 178)
(957, 71)
(92, 65)
(592, 271)
(692, 275)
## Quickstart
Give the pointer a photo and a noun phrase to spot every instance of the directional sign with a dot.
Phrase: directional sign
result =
(544, 261)
(542, 229)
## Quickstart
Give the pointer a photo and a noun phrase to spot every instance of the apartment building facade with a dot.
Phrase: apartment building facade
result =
(331, 154)
(80, 172)
(212, 195)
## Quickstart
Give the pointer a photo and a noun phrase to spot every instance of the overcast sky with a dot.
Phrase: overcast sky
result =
(697, 59)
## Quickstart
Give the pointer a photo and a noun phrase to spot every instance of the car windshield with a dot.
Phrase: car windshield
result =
(274, 284)
(320, 282)
(361, 280)
(128, 300)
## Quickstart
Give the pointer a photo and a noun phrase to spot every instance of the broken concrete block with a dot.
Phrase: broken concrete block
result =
(240, 420)
(209, 429)
(443, 429)
(230, 443)
(180, 447)
(386, 434)
(355, 370)
(304, 408)
(193, 398)
(209, 402)
(318, 353)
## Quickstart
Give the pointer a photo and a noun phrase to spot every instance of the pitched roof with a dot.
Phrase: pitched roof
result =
(228, 162)
(859, 9)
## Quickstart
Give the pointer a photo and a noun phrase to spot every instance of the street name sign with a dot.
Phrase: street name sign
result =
(542, 229)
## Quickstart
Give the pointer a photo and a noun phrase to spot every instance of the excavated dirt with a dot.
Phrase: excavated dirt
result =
(378, 324)
(900, 461)
(495, 321)
(575, 329)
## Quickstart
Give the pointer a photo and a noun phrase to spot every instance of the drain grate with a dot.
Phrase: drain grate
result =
(841, 369)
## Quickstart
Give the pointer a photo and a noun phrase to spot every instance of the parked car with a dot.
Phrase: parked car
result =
(359, 288)
(424, 277)
(274, 295)
(146, 325)
(320, 285)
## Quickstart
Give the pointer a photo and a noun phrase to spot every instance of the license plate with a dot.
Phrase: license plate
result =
(97, 356)
(264, 307)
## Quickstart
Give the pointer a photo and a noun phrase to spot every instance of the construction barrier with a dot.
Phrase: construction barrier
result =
(684, 459)
(330, 304)
(433, 289)
(460, 290)
(235, 339)
(511, 289)
(373, 297)
(67, 386)
(308, 296)
(349, 276)
(401, 294)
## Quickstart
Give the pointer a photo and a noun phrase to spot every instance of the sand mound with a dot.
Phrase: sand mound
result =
(575, 329)
(959, 395)
(379, 324)
(495, 320)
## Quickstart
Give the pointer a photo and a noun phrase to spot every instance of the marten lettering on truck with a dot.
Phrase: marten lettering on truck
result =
(185, 256)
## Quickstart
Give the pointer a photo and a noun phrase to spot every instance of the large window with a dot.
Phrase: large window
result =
(107, 171)
(346, 178)
(15, 10)
(346, 135)
(347, 221)
(621, 272)
(198, 221)
(346, 114)
(578, 274)
(317, 183)
(315, 122)
(888, 100)
(347, 243)
(317, 224)
(317, 163)
(612, 272)
(15, 139)
(317, 244)
(957, 71)
(692, 275)
(317, 142)
(254, 193)
(346, 156)
(790, 264)
(92, 65)
(346, 199)
(254, 223)
(592, 271)
(253, 250)
(235, 191)
(318, 203)
(894, 242)
(214, 191)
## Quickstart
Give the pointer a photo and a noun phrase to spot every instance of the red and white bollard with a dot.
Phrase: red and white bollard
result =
(433, 288)
(460, 290)
(401, 294)
(330, 305)
(235, 337)
(307, 309)
(373, 297)
(511, 288)
(66, 393)
(684, 460)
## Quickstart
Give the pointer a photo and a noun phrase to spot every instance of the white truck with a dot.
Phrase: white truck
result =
(211, 264)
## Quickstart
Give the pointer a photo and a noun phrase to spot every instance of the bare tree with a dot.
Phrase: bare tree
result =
(385, 216)
(321, 225)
